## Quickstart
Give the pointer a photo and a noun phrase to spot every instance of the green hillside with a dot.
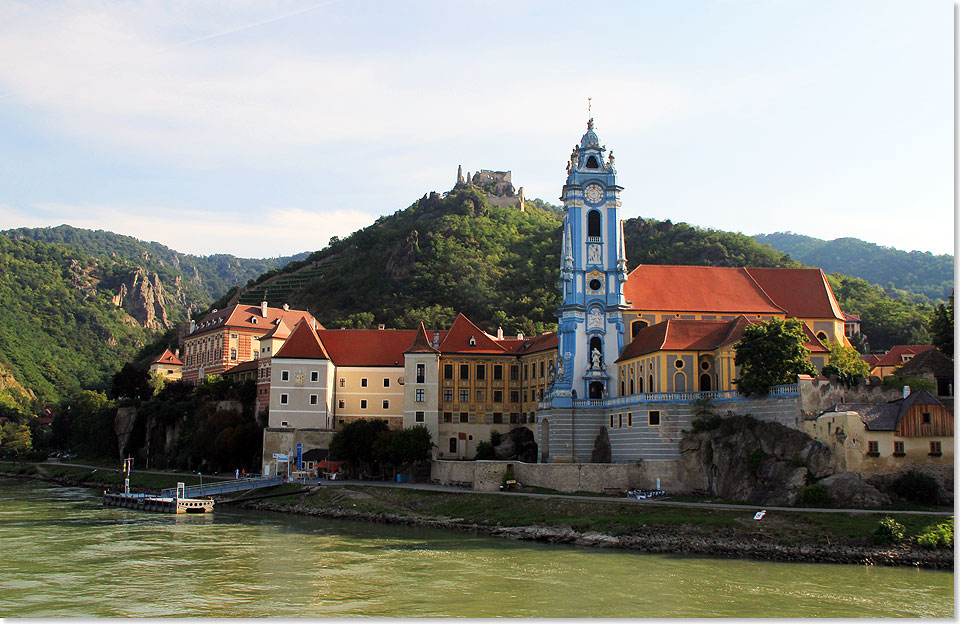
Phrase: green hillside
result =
(918, 272)
(499, 266)
(59, 330)
(194, 281)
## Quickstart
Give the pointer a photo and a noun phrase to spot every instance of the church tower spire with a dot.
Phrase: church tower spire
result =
(592, 273)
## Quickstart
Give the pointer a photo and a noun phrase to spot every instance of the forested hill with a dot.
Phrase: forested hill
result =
(201, 279)
(59, 328)
(915, 271)
(499, 266)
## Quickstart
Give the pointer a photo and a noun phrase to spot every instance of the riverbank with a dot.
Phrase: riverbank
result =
(796, 536)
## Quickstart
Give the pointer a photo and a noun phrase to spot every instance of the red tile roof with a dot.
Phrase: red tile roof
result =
(249, 365)
(304, 344)
(694, 335)
(871, 358)
(249, 317)
(367, 347)
(679, 288)
(803, 293)
(421, 344)
(458, 339)
(535, 344)
(851, 317)
(280, 330)
(168, 358)
(894, 357)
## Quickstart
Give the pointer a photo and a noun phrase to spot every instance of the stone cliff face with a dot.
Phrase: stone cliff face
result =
(142, 296)
(403, 255)
(758, 462)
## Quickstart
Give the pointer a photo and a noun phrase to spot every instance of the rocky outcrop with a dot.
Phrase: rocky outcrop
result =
(519, 444)
(142, 297)
(758, 462)
(849, 488)
(402, 257)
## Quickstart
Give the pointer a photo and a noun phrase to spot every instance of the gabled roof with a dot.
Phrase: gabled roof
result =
(851, 317)
(421, 344)
(168, 358)
(929, 361)
(463, 332)
(367, 347)
(871, 358)
(886, 416)
(279, 331)
(249, 365)
(696, 335)
(535, 344)
(701, 289)
(803, 293)
(249, 317)
(303, 344)
(894, 357)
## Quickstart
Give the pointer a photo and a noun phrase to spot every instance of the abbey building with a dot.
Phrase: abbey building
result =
(633, 351)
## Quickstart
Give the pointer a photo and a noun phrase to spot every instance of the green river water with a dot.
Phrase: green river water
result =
(63, 554)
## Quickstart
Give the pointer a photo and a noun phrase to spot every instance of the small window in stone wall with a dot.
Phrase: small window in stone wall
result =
(898, 449)
(314, 376)
(283, 399)
(935, 449)
(653, 418)
(873, 448)
(448, 417)
(629, 419)
(611, 421)
(419, 417)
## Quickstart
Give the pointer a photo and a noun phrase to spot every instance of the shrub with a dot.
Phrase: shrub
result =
(495, 438)
(917, 487)
(706, 423)
(754, 460)
(485, 451)
(940, 536)
(888, 531)
(814, 495)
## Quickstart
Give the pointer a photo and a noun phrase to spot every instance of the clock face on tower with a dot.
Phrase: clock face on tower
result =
(593, 193)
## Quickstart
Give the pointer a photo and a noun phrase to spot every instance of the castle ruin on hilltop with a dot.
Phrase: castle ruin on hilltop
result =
(496, 185)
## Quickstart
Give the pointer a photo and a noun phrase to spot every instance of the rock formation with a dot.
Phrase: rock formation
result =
(402, 257)
(142, 297)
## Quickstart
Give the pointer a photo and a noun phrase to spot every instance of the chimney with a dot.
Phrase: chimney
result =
(313, 323)
(381, 327)
(285, 307)
(436, 339)
(519, 336)
(176, 352)
(193, 326)
(263, 309)
(499, 333)
(906, 391)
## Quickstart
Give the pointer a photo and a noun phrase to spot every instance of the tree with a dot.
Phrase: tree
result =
(356, 441)
(132, 382)
(771, 354)
(941, 326)
(845, 364)
(411, 445)
(16, 440)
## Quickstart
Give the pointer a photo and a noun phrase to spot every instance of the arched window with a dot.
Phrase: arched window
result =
(822, 337)
(631, 386)
(593, 223)
(640, 384)
(679, 382)
(651, 388)
(592, 163)
(636, 326)
(705, 382)
(596, 390)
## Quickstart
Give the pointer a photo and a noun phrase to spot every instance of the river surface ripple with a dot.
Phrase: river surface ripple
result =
(63, 554)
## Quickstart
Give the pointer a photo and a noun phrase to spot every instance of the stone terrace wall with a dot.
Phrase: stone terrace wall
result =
(575, 437)
(817, 395)
(487, 476)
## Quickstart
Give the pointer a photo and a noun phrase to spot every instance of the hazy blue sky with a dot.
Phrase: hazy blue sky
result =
(263, 128)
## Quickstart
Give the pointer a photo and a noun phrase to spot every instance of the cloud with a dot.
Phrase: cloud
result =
(275, 232)
(119, 75)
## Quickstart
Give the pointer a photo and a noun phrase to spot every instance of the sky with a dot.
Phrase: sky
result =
(262, 128)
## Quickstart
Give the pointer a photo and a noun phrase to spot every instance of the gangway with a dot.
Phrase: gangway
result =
(223, 487)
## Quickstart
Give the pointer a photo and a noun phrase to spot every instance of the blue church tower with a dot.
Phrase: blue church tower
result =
(593, 268)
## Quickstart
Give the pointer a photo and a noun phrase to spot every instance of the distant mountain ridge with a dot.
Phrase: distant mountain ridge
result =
(919, 272)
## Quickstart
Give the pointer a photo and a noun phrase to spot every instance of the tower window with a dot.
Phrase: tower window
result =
(593, 223)
(592, 163)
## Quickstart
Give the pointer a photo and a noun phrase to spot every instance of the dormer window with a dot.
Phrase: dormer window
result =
(473, 341)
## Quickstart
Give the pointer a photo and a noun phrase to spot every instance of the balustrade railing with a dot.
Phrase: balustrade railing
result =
(678, 397)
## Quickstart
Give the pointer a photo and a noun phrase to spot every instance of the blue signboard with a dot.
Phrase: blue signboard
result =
(299, 456)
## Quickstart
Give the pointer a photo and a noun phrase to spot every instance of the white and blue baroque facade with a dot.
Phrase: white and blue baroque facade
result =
(593, 270)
